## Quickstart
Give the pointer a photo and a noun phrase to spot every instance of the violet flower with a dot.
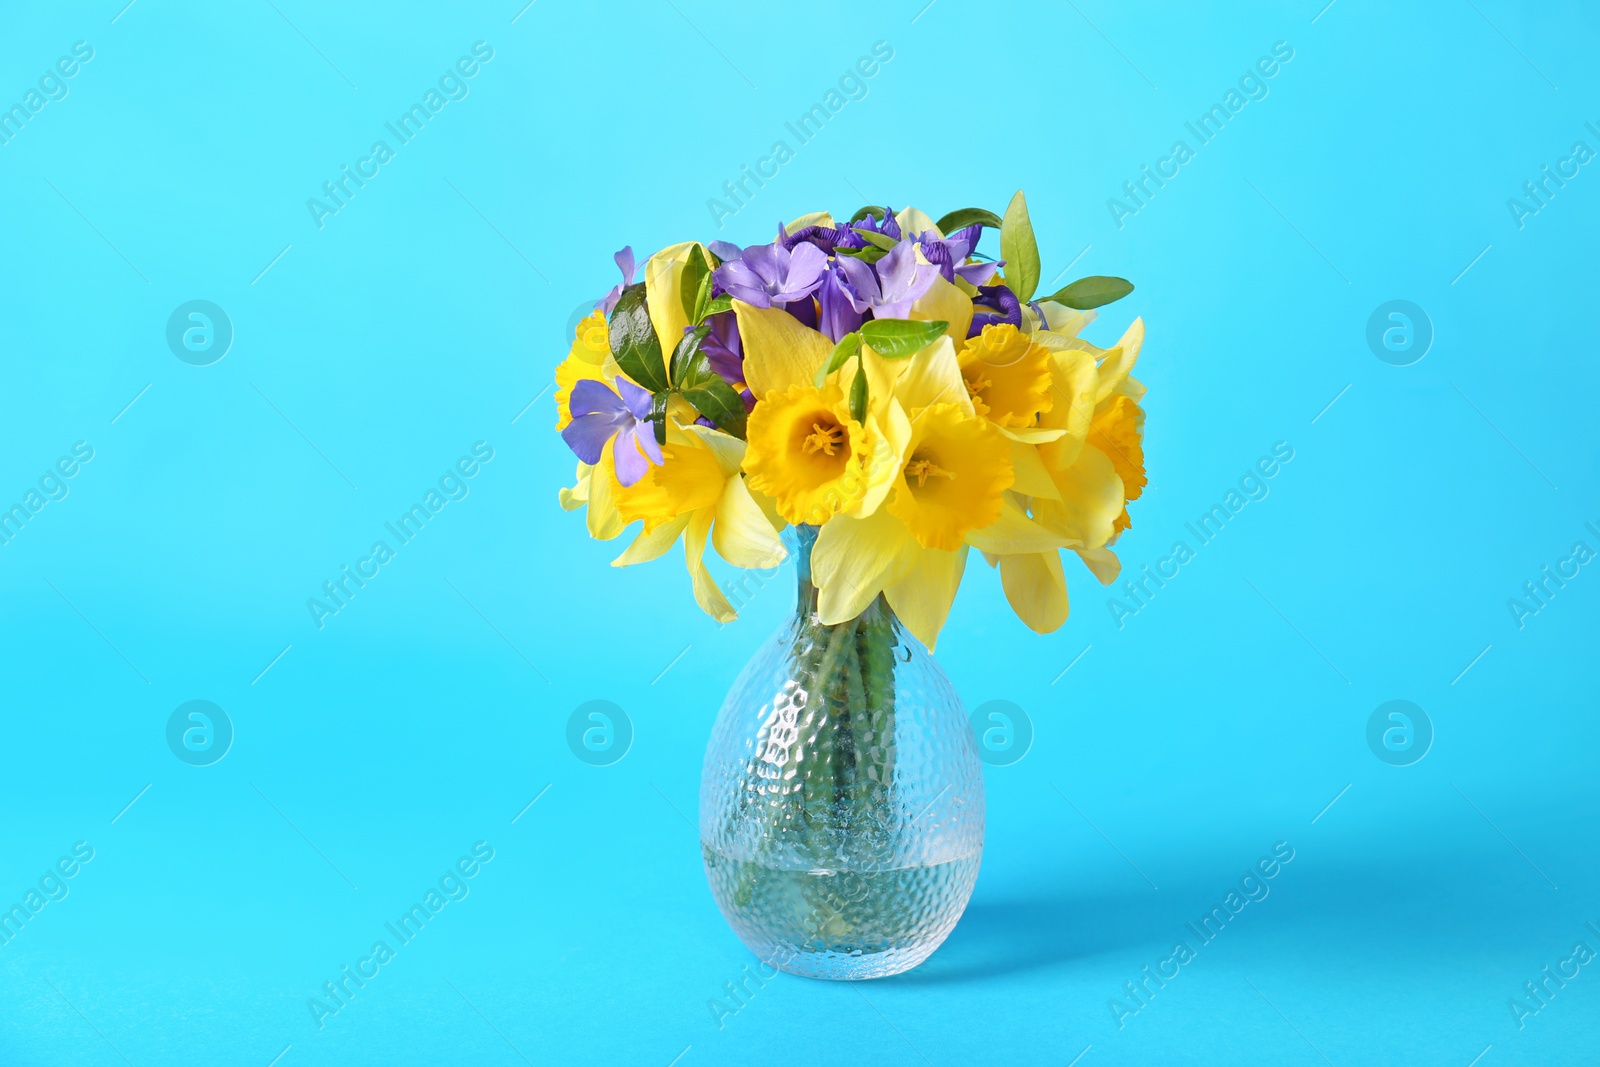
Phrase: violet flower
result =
(598, 414)
(770, 275)
(995, 304)
(827, 238)
(723, 348)
(625, 264)
(844, 296)
(950, 254)
(889, 226)
(901, 280)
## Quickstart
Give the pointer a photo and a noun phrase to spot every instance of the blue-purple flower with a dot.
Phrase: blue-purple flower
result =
(769, 275)
(827, 238)
(627, 266)
(598, 414)
(900, 282)
(841, 298)
(995, 304)
(950, 254)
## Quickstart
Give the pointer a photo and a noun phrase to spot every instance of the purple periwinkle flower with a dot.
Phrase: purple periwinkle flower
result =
(889, 226)
(995, 304)
(724, 250)
(844, 296)
(827, 238)
(771, 275)
(598, 414)
(950, 254)
(723, 348)
(627, 266)
(901, 281)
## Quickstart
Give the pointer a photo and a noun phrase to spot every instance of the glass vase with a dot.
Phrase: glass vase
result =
(841, 801)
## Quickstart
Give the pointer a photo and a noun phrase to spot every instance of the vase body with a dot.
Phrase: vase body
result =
(841, 801)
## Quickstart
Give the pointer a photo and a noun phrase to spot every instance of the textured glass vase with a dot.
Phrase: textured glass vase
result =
(841, 802)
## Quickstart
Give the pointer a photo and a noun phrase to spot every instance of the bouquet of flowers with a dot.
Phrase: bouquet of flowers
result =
(893, 398)
(878, 384)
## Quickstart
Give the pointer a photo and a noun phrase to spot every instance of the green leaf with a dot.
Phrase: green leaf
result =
(716, 400)
(876, 212)
(869, 254)
(858, 396)
(967, 216)
(701, 299)
(696, 382)
(1092, 292)
(898, 338)
(1019, 249)
(696, 271)
(634, 344)
(718, 306)
(848, 346)
(658, 416)
(878, 240)
(687, 350)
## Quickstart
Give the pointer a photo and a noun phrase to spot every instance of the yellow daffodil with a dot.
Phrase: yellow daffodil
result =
(807, 452)
(698, 492)
(1008, 375)
(956, 468)
(1090, 472)
(588, 358)
(949, 493)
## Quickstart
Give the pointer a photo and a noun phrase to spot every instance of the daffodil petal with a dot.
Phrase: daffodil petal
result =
(1036, 589)
(1068, 322)
(706, 593)
(815, 218)
(605, 522)
(922, 598)
(663, 290)
(885, 458)
(1091, 500)
(578, 495)
(742, 535)
(728, 449)
(1033, 435)
(945, 303)
(933, 376)
(1102, 563)
(778, 351)
(1072, 390)
(1119, 361)
(913, 222)
(1014, 532)
(653, 544)
(853, 559)
(1032, 478)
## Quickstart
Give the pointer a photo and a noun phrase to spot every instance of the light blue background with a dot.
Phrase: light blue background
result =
(425, 716)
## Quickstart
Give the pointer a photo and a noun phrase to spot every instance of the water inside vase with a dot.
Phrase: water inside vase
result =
(842, 923)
